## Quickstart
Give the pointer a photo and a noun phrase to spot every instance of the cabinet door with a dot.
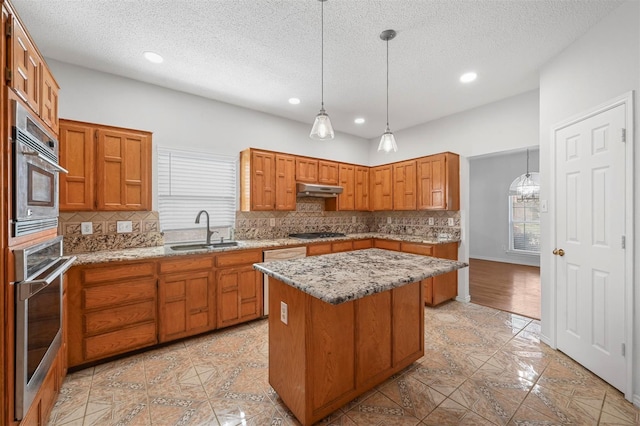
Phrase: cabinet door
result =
(432, 182)
(346, 200)
(239, 295)
(285, 182)
(381, 188)
(187, 304)
(25, 75)
(262, 180)
(77, 156)
(361, 188)
(49, 100)
(306, 170)
(327, 172)
(123, 170)
(404, 185)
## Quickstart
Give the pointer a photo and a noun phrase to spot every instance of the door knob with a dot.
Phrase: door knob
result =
(558, 252)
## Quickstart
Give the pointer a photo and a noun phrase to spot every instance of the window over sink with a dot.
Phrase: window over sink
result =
(192, 181)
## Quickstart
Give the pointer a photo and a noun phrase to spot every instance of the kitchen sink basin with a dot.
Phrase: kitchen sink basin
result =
(203, 246)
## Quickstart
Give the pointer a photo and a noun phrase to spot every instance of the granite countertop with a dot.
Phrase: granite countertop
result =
(166, 251)
(340, 277)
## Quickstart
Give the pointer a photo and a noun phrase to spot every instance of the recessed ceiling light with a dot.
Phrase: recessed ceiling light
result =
(359, 120)
(153, 57)
(468, 77)
(294, 101)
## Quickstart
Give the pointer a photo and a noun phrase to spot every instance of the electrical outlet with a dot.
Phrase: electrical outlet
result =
(86, 228)
(284, 312)
(389, 220)
(272, 221)
(353, 219)
(123, 226)
(431, 221)
(451, 222)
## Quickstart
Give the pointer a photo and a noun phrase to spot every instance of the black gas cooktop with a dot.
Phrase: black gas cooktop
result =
(312, 235)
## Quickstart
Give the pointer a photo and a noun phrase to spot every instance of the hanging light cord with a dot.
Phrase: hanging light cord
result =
(387, 83)
(527, 175)
(322, 54)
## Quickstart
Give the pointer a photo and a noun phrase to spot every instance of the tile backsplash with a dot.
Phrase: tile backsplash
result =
(145, 231)
(309, 216)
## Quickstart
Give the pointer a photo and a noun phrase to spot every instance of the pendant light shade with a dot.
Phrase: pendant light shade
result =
(322, 128)
(387, 141)
(527, 186)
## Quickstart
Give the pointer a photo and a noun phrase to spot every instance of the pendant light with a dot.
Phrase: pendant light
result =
(387, 141)
(527, 186)
(322, 129)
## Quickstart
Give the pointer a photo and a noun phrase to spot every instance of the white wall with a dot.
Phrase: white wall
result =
(490, 177)
(183, 121)
(499, 126)
(601, 65)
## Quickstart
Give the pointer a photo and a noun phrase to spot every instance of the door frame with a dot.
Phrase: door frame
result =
(625, 99)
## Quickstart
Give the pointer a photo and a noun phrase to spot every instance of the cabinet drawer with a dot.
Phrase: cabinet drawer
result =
(446, 251)
(117, 272)
(112, 295)
(415, 248)
(238, 258)
(387, 244)
(316, 249)
(342, 246)
(115, 318)
(192, 263)
(120, 341)
(362, 244)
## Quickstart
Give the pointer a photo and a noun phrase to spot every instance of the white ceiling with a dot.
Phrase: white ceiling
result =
(259, 53)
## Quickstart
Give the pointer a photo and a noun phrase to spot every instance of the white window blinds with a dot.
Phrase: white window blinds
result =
(192, 181)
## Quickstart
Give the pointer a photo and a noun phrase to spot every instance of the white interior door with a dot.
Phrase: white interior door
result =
(590, 225)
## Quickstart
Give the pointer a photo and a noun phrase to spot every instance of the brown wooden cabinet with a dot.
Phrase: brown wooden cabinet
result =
(109, 167)
(361, 188)
(381, 188)
(328, 172)
(285, 182)
(443, 287)
(49, 100)
(267, 181)
(347, 180)
(112, 309)
(404, 185)
(25, 69)
(239, 287)
(306, 170)
(186, 297)
(439, 182)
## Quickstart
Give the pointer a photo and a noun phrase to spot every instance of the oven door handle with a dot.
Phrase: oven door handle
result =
(56, 166)
(26, 289)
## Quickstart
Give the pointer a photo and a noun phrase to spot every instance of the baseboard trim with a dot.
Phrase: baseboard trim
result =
(501, 260)
(544, 339)
(465, 299)
(636, 400)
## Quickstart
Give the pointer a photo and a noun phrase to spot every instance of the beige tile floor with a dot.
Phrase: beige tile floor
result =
(481, 367)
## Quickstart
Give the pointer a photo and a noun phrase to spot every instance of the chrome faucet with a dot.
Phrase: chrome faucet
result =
(209, 231)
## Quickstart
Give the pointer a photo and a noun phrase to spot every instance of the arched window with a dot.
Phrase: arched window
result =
(524, 214)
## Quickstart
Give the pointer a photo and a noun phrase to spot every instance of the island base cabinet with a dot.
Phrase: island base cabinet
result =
(326, 355)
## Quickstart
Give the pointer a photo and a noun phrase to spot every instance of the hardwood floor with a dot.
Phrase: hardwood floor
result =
(505, 286)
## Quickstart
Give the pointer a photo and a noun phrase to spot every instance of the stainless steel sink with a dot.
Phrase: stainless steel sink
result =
(203, 246)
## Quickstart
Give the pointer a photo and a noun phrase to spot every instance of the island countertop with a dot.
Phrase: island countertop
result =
(340, 277)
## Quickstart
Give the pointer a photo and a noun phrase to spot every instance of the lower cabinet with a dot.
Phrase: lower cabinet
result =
(46, 396)
(239, 295)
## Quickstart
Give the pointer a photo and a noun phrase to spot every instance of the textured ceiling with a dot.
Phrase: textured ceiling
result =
(259, 53)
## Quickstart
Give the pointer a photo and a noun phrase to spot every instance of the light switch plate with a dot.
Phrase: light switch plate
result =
(431, 221)
(543, 206)
(272, 221)
(389, 220)
(451, 222)
(123, 226)
(353, 219)
(86, 228)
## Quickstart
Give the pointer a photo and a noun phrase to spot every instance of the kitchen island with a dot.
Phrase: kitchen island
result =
(343, 323)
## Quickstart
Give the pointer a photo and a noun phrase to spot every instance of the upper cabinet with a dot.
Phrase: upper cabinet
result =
(404, 185)
(439, 182)
(381, 188)
(267, 181)
(347, 180)
(361, 188)
(328, 172)
(27, 74)
(306, 170)
(109, 167)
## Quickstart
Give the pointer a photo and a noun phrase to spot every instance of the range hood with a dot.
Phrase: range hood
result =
(315, 190)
